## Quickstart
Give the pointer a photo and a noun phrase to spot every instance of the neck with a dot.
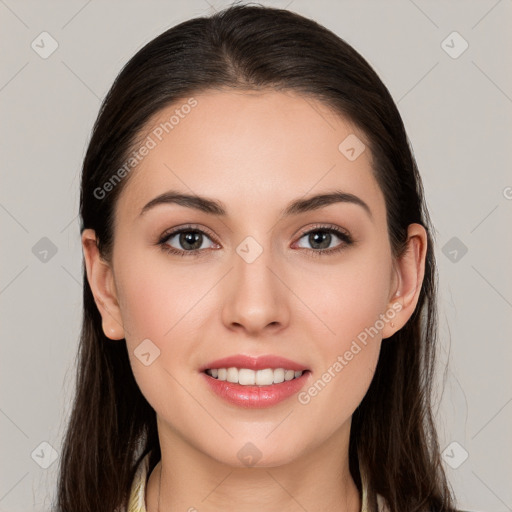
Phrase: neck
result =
(186, 479)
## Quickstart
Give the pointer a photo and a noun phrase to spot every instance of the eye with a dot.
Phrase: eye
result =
(321, 238)
(190, 241)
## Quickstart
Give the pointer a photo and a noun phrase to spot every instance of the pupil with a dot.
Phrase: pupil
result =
(190, 237)
(320, 237)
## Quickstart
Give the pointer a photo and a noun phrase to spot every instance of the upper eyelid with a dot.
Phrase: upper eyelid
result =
(319, 226)
(188, 227)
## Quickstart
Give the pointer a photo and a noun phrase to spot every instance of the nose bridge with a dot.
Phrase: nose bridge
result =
(255, 297)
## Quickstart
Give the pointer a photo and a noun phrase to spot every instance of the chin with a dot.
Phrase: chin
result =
(257, 454)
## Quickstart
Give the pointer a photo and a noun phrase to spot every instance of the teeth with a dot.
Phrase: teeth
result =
(278, 375)
(247, 377)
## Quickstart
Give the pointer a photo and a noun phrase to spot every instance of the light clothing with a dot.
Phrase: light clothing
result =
(137, 502)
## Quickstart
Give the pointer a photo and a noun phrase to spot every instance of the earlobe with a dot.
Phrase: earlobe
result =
(410, 269)
(101, 281)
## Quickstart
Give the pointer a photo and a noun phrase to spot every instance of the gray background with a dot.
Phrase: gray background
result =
(458, 115)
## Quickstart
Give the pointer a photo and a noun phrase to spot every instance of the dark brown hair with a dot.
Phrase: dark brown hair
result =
(252, 47)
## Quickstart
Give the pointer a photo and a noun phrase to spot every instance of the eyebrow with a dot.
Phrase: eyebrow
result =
(214, 207)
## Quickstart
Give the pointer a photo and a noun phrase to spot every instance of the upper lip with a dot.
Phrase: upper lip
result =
(254, 363)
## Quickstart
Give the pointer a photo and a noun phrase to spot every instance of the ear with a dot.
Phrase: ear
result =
(101, 281)
(408, 279)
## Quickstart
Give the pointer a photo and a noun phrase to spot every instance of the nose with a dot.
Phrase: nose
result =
(256, 299)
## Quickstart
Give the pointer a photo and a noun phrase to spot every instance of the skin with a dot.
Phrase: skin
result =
(255, 152)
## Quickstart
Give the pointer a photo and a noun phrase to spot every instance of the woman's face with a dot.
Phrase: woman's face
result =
(261, 282)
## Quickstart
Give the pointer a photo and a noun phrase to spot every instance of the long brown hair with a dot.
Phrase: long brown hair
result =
(252, 47)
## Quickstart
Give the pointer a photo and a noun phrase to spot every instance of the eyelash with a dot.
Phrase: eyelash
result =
(343, 235)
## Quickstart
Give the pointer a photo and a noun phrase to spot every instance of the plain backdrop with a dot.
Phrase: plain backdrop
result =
(446, 64)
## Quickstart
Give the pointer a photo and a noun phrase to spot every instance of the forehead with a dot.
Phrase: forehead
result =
(249, 149)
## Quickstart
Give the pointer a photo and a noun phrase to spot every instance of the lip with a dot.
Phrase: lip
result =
(256, 397)
(255, 363)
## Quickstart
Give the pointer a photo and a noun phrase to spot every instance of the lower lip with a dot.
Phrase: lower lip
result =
(256, 397)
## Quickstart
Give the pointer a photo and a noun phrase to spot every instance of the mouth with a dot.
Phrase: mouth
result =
(255, 382)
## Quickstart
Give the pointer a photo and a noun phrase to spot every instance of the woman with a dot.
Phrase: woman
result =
(259, 325)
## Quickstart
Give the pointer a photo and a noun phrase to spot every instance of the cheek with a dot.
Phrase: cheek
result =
(156, 305)
(349, 297)
(162, 303)
(350, 302)
(154, 294)
(147, 306)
